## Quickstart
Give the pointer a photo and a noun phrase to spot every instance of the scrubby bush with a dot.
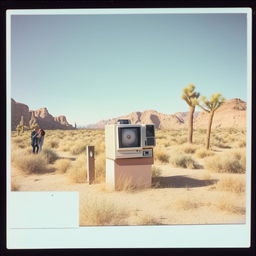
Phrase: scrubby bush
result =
(202, 153)
(96, 211)
(50, 155)
(100, 166)
(29, 163)
(53, 144)
(77, 173)
(231, 162)
(78, 148)
(156, 171)
(161, 156)
(184, 161)
(231, 184)
(188, 148)
(62, 165)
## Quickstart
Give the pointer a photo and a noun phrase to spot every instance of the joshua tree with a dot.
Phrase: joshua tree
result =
(210, 106)
(33, 123)
(18, 129)
(191, 98)
(20, 126)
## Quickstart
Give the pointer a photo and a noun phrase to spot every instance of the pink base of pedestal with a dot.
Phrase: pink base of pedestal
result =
(129, 173)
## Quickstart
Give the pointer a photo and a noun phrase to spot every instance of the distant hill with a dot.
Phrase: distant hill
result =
(44, 119)
(231, 114)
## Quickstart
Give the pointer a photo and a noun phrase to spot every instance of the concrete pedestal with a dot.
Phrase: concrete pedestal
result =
(125, 173)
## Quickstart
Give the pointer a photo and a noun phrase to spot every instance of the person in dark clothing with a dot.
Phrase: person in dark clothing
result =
(35, 140)
(41, 139)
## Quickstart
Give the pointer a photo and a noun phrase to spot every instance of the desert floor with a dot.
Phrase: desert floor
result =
(189, 186)
(177, 196)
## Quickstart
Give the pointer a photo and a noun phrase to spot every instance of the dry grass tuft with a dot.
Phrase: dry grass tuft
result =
(62, 165)
(101, 212)
(184, 161)
(232, 184)
(230, 162)
(29, 163)
(50, 155)
(156, 171)
(161, 156)
(100, 166)
(202, 153)
(188, 148)
(78, 148)
(77, 172)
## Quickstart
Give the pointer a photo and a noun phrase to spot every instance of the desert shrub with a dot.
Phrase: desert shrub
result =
(231, 184)
(231, 162)
(62, 165)
(52, 143)
(50, 155)
(78, 148)
(161, 156)
(99, 148)
(188, 148)
(29, 163)
(100, 166)
(156, 171)
(202, 153)
(181, 139)
(77, 173)
(65, 145)
(101, 212)
(184, 161)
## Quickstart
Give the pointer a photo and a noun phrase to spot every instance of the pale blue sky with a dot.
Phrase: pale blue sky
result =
(93, 67)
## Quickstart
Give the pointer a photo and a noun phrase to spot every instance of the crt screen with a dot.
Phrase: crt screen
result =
(129, 137)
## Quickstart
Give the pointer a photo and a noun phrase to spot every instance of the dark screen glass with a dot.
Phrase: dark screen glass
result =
(129, 137)
(150, 131)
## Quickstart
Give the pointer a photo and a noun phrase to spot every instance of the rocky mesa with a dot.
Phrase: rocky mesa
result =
(44, 119)
(232, 113)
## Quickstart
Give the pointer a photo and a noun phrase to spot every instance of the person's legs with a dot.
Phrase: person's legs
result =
(33, 149)
(41, 143)
(37, 148)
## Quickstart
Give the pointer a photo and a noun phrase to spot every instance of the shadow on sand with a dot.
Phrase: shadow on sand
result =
(180, 181)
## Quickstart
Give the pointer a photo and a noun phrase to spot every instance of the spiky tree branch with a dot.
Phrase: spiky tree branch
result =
(210, 106)
(191, 97)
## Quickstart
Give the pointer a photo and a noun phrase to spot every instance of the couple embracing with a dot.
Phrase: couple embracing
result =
(37, 139)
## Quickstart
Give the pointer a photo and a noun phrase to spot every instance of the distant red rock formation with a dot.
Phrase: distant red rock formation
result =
(44, 119)
(231, 114)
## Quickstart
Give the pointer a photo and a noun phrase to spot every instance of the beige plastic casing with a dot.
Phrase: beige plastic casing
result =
(111, 143)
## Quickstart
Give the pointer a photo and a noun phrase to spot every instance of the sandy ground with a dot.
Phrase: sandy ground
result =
(179, 196)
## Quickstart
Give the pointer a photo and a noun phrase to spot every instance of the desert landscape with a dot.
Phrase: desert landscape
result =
(190, 184)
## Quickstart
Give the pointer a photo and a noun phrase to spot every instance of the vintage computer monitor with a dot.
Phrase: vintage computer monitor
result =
(126, 140)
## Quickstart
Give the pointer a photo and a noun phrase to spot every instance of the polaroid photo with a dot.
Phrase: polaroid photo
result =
(129, 128)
